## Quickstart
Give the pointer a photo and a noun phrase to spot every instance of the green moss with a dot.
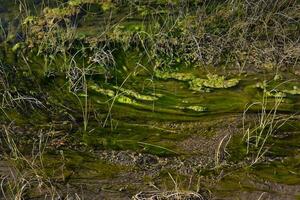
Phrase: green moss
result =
(136, 138)
(80, 165)
(285, 172)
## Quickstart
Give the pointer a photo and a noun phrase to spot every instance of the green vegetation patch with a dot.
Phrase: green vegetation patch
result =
(106, 92)
(136, 94)
(276, 94)
(105, 5)
(212, 81)
(174, 75)
(285, 172)
(80, 2)
(193, 108)
(199, 84)
(123, 95)
(60, 13)
(277, 91)
(80, 165)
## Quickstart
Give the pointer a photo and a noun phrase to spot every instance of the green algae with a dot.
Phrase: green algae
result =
(134, 137)
(136, 94)
(270, 93)
(80, 2)
(215, 81)
(193, 108)
(174, 75)
(121, 94)
(275, 94)
(278, 91)
(212, 81)
(100, 90)
(197, 108)
(222, 102)
(126, 100)
(73, 164)
(110, 93)
(199, 84)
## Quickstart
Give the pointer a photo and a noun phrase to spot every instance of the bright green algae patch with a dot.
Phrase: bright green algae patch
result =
(174, 75)
(136, 94)
(199, 84)
(212, 81)
(80, 2)
(193, 108)
(112, 94)
(103, 91)
(197, 108)
(121, 94)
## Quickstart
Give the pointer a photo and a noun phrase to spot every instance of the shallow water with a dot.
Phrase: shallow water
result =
(141, 127)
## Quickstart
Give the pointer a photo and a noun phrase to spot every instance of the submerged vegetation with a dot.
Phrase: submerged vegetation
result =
(199, 84)
(156, 99)
(212, 81)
